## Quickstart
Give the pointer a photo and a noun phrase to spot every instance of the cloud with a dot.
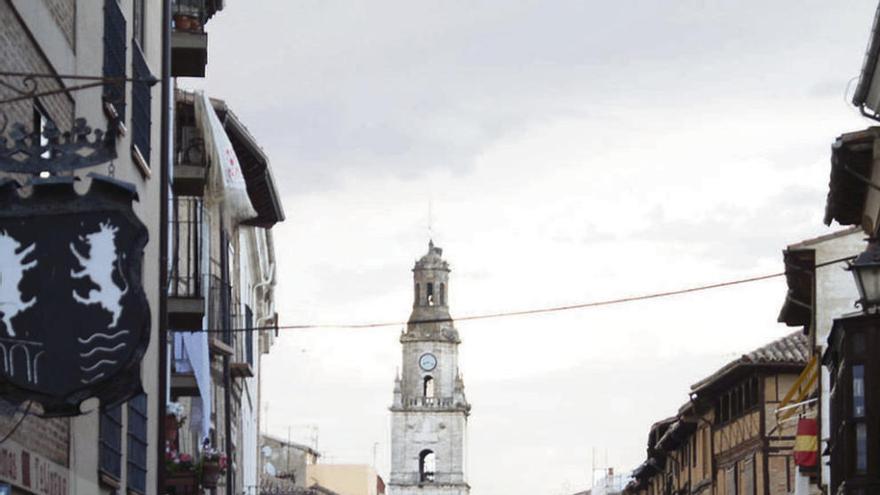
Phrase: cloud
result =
(572, 151)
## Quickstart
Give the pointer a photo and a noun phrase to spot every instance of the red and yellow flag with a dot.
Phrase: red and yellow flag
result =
(806, 444)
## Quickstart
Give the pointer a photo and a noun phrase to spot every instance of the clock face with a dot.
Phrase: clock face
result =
(428, 361)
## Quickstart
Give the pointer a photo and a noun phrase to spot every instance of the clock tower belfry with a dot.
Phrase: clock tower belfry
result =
(430, 411)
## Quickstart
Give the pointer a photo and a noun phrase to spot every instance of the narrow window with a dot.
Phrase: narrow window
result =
(730, 480)
(428, 387)
(858, 392)
(249, 336)
(40, 122)
(141, 102)
(430, 294)
(861, 448)
(418, 296)
(137, 445)
(748, 477)
(110, 442)
(442, 294)
(756, 391)
(426, 466)
(139, 15)
(114, 58)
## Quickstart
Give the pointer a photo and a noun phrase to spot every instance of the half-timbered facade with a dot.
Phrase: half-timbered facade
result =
(726, 440)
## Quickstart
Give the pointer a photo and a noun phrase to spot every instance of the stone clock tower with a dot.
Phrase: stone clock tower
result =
(429, 414)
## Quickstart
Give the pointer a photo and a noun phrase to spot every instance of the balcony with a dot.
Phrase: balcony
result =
(189, 41)
(190, 170)
(430, 402)
(223, 305)
(243, 364)
(186, 302)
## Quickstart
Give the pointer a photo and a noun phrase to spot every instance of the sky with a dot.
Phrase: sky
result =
(568, 151)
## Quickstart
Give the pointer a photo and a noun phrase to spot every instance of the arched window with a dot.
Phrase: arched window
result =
(442, 294)
(428, 387)
(426, 466)
(418, 295)
(430, 294)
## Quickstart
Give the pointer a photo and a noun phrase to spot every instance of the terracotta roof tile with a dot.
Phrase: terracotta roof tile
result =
(793, 350)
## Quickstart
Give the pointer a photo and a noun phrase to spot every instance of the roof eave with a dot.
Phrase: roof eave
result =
(869, 65)
(258, 176)
(851, 165)
(799, 272)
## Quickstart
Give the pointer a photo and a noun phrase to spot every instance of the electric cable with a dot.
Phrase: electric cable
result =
(524, 312)
(11, 432)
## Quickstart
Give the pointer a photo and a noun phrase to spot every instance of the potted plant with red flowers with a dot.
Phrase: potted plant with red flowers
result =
(181, 477)
(212, 466)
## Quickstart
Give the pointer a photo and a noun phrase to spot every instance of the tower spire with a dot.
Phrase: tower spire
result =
(429, 409)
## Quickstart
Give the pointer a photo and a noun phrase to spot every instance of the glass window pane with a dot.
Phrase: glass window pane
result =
(858, 393)
(861, 447)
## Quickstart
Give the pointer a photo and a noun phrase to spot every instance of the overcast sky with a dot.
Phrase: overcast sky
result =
(571, 151)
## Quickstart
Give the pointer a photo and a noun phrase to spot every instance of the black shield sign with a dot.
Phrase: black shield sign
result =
(74, 319)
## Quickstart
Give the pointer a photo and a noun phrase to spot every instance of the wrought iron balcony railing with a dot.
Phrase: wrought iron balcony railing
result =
(187, 223)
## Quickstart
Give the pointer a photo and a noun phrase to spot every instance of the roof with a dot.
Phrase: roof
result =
(800, 265)
(814, 241)
(257, 174)
(851, 164)
(869, 65)
(294, 445)
(433, 259)
(254, 162)
(791, 351)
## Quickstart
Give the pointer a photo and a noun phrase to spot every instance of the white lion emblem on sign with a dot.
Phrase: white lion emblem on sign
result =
(99, 267)
(12, 268)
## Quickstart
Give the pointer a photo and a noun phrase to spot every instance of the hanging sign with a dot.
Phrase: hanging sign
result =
(74, 319)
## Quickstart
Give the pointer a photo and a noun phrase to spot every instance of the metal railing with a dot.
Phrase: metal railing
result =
(430, 402)
(217, 319)
(187, 220)
(189, 15)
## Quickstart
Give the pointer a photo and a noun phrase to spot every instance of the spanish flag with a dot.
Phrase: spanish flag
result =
(806, 444)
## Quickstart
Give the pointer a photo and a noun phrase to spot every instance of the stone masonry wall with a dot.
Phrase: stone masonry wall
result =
(46, 437)
(19, 53)
(64, 14)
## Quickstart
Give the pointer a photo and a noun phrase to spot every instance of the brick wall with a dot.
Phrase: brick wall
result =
(64, 14)
(18, 52)
(46, 437)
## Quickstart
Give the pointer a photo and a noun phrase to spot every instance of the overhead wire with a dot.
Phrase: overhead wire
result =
(24, 415)
(508, 314)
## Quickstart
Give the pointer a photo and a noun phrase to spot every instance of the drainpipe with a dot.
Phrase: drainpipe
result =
(227, 386)
(164, 181)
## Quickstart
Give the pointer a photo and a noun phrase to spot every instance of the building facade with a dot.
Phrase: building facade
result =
(345, 479)
(429, 413)
(222, 279)
(284, 462)
(109, 448)
(819, 290)
(726, 440)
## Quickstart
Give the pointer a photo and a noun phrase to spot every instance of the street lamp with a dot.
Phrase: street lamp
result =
(866, 271)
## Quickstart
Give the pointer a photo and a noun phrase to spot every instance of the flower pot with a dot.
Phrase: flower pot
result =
(210, 474)
(182, 22)
(171, 426)
(182, 483)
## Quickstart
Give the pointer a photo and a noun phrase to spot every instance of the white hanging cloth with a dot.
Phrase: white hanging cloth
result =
(191, 355)
(226, 183)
